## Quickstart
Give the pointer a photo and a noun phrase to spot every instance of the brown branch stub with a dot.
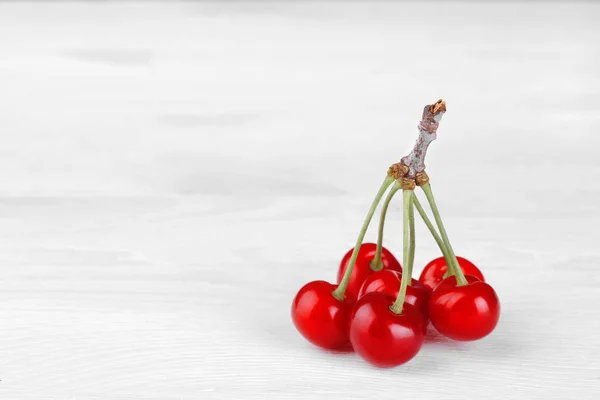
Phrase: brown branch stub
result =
(437, 107)
(397, 171)
(421, 178)
(428, 126)
(408, 184)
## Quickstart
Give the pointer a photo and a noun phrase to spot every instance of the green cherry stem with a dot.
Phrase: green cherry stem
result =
(460, 278)
(376, 264)
(411, 244)
(339, 292)
(434, 233)
(407, 196)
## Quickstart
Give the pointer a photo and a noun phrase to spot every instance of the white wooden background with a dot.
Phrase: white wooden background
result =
(172, 173)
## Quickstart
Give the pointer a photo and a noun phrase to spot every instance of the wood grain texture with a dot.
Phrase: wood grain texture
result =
(172, 173)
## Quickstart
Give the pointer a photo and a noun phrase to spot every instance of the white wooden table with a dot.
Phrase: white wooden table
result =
(173, 172)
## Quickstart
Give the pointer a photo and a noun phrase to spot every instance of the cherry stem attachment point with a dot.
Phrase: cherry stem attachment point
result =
(376, 264)
(340, 291)
(407, 196)
(460, 278)
(434, 233)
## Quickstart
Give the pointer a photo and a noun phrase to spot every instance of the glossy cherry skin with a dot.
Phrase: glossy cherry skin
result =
(321, 318)
(383, 338)
(388, 281)
(362, 268)
(433, 273)
(464, 313)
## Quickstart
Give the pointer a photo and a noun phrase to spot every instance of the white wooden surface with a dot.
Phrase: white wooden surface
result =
(173, 172)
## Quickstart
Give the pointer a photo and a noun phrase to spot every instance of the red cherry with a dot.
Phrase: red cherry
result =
(321, 318)
(383, 338)
(388, 281)
(362, 268)
(468, 312)
(433, 273)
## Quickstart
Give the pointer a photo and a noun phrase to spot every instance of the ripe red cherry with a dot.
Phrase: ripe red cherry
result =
(433, 273)
(381, 337)
(362, 268)
(321, 318)
(468, 312)
(388, 281)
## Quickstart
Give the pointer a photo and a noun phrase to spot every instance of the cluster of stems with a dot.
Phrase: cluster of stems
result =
(410, 202)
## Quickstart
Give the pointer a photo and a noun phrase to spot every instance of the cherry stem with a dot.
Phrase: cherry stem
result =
(407, 196)
(340, 291)
(411, 244)
(460, 277)
(376, 264)
(434, 233)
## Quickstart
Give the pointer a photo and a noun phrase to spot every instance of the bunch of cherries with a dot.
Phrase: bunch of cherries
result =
(376, 308)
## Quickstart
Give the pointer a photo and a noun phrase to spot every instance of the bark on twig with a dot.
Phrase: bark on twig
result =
(415, 160)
